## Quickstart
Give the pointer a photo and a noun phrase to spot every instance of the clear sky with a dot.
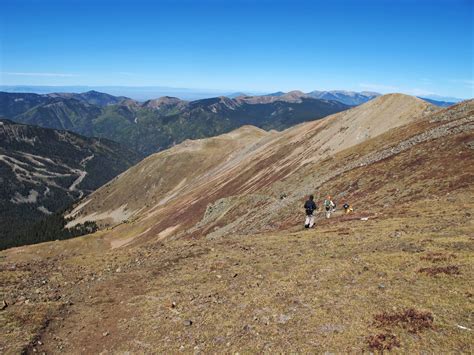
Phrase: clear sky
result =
(419, 47)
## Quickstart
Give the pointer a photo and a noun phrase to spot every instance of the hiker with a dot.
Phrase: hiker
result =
(329, 206)
(347, 208)
(310, 207)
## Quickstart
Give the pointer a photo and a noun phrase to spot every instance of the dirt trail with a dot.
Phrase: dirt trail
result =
(94, 320)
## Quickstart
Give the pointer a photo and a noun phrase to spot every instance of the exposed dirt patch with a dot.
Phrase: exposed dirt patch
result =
(411, 319)
(448, 270)
(436, 257)
(383, 341)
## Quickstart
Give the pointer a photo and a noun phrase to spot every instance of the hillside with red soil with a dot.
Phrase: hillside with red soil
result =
(202, 247)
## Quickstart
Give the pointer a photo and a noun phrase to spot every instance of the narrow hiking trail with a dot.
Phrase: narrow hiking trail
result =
(313, 290)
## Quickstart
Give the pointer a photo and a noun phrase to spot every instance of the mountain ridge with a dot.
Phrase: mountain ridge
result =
(91, 97)
(347, 97)
(158, 124)
(332, 134)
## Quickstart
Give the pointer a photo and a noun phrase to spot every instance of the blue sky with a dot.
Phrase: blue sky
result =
(419, 47)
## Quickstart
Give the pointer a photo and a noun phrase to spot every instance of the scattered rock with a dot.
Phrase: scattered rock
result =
(105, 334)
(396, 234)
(470, 145)
(3, 305)
(331, 328)
(283, 318)
(118, 269)
(188, 322)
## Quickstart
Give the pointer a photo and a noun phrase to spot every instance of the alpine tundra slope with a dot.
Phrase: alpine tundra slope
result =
(202, 246)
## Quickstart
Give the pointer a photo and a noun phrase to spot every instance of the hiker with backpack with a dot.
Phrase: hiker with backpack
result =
(310, 207)
(329, 206)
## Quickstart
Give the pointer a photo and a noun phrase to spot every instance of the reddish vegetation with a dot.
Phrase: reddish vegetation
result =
(437, 257)
(411, 319)
(448, 270)
(383, 341)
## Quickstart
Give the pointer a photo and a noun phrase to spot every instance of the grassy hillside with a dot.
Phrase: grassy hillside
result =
(226, 266)
(251, 174)
(336, 288)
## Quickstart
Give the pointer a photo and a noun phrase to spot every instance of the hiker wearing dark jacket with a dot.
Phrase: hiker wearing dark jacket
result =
(309, 207)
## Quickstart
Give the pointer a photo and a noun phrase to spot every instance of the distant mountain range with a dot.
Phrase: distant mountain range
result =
(140, 93)
(150, 92)
(157, 124)
(350, 98)
(443, 98)
(154, 125)
(91, 97)
(353, 98)
(437, 102)
(43, 170)
(346, 97)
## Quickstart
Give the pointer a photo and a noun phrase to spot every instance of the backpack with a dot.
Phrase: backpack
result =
(328, 204)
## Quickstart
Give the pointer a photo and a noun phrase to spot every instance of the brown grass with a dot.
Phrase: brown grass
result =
(304, 291)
